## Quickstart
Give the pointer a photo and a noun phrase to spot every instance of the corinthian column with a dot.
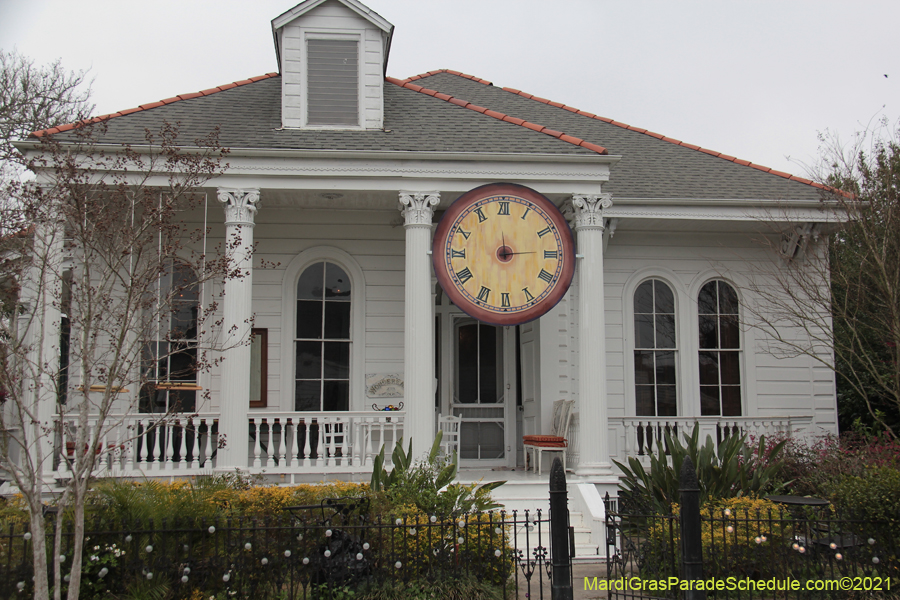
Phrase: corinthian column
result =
(418, 354)
(592, 395)
(240, 210)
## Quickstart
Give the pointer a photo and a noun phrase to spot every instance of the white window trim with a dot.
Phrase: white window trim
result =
(289, 324)
(347, 35)
(684, 401)
(748, 384)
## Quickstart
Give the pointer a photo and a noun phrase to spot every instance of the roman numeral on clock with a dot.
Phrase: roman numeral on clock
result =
(464, 275)
(527, 210)
(461, 253)
(543, 232)
(480, 213)
(484, 294)
(548, 277)
(551, 254)
(464, 233)
(504, 300)
(528, 295)
(504, 208)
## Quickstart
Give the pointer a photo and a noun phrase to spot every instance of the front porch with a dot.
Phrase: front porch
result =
(291, 447)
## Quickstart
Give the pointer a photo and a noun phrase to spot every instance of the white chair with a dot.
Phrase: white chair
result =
(449, 426)
(557, 440)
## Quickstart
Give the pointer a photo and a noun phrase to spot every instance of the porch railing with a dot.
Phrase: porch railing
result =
(147, 444)
(641, 436)
(326, 441)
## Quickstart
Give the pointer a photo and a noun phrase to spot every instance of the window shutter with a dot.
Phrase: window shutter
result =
(333, 82)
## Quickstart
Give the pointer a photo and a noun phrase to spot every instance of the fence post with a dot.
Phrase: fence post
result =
(691, 530)
(561, 588)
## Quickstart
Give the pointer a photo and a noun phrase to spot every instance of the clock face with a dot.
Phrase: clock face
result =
(504, 254)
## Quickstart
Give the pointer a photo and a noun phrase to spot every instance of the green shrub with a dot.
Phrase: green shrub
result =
(872, 496)
(731, 468)
(428, 483)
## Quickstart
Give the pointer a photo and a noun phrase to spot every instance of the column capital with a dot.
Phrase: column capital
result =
(589, 210)
(416, 207)
(240, 205)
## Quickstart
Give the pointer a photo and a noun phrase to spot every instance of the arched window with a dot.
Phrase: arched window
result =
(654, 350)
(720, 350)
(170, 360)
(322, 342)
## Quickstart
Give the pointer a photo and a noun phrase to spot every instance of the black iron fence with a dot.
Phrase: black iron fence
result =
(322, 551)
(752, 549)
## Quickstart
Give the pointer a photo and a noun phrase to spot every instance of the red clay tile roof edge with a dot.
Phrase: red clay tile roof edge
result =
(128, 111)
(629, 127)
(407, 83)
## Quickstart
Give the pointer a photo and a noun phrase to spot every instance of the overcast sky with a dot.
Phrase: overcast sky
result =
(757, 80)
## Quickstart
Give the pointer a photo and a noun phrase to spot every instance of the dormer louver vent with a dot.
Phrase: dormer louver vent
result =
(333, 82)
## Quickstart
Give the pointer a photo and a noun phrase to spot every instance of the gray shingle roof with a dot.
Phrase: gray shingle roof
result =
(249, 116)
(650, 167)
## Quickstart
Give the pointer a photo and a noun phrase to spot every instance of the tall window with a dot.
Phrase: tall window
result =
(170, 360)
(332, 82)
(654, 350)
(720, 350)
(323, 339)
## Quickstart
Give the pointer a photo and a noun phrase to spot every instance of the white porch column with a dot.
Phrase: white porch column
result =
(42, 290)
(418, 353)
(594, 422)
(240, 209)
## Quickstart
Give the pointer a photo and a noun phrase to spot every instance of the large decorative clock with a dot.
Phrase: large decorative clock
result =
(504, 254)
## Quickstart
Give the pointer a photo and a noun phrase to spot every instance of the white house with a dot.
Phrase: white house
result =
(339, 176)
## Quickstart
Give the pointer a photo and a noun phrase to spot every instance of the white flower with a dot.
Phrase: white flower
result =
(94, 558)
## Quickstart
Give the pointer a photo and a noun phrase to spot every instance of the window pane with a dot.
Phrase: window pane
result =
(488, 348)
(709, 368)
(706, 301)
(644, 367)
(731, 368)
(643, 331)
(643, 298)
(730, 333)
(645, 405)
(183, 321)
(665, 331)
(708, 332)
(665, 301)
(665, 368)
(307, 396)
(468, 363)
(182, 400)
(183, 364)
(309, 319)
(337, 395)
(666, 405)
(337, 360)
(728, 300)
(337, 320)
(337, 284)
(309, 360)
(731, 400)
(309, 287)
(709, 400)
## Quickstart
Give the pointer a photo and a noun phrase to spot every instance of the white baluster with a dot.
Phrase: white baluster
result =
(367, 441)
(295, 445)
(345, 442)
(158, 446)
(282, 442)
(320, 446)
(194, 429)
(270, 445)
(257, 428)
(307, 445)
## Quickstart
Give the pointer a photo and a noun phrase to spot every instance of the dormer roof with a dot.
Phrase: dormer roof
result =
(358, 7)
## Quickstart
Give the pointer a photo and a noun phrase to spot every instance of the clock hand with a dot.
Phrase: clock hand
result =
(514, 253)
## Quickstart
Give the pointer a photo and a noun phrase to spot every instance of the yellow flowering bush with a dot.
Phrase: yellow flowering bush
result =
(741, 536)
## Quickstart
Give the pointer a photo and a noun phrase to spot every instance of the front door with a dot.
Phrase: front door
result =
(476, 373)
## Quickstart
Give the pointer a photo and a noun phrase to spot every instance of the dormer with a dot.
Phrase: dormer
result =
(332, 55)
